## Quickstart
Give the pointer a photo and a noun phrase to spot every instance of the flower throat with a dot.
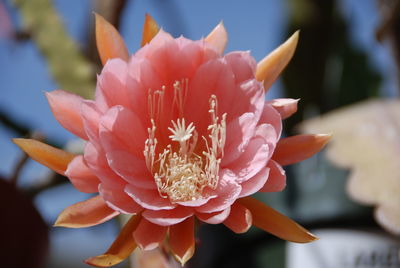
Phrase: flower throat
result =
(180, 174)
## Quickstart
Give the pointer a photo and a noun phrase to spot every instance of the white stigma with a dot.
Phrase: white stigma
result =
(180, 132)
(182, 175)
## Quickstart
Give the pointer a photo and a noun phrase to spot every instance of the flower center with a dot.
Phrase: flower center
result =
(179, 173)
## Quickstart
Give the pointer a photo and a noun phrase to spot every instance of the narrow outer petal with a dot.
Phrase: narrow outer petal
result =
(66, 108)
(47, 155)
(270, 220)
(121, 248)
(269, 68)
(81, 176)
(85, 214)
(181, 240)
(149, 235)
(109, 42)
(285, 107)
(240, 219)
(150, 29)
(218, 38)
(297, 148)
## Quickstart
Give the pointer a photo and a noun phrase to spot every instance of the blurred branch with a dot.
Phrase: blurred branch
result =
(390, 27)
(23, 159)
(53, 180)
(68, 66)
(17, 127)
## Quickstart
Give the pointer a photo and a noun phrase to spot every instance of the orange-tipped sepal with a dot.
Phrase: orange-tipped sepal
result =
(182, 241)
(269, 68)
(85, 214)
(150, 29)
(121, 248)
(297, 148)
(109, 42)
(271, 221)
(47, 155)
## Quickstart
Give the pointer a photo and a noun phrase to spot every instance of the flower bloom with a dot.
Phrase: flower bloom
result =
(177, 131)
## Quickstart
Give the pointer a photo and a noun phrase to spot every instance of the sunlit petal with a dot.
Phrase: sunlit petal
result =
(285, 107)
(66, 108)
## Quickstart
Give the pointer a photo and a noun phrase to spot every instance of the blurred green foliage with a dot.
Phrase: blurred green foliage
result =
(68, 66)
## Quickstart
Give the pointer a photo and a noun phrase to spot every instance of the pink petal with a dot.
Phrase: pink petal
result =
(240, 219)
(213, 77)
(131, 168)
(117, 199)
(148, 235)
(149, 199)
(239, 131)
(114, 76)
(272, 117)
(285, 107)
(243, 65)
(168, 217)
(215, 217)
(248, 97)
(254, 158)
(254, 184)
(66, 108)
(91, 119)
(277, 178)
(114, 133)
(194, 54)
(226, 193)
(160, 38)
(197, 202)
(97, 162)
(268, 133)
(81, 176)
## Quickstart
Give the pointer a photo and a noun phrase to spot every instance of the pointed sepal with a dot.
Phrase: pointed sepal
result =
(109, 42)
(271, 221)
(47, 155)
(269, 68)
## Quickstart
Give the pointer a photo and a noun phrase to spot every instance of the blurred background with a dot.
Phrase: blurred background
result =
(348, 56)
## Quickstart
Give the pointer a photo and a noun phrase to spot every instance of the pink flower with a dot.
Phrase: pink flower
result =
(177, 131)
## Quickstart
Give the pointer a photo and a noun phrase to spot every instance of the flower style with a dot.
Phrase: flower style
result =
(177, 131)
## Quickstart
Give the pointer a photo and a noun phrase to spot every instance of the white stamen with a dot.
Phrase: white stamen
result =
(182, 175)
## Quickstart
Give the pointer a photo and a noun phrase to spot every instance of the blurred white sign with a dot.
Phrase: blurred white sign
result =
(339, 248)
